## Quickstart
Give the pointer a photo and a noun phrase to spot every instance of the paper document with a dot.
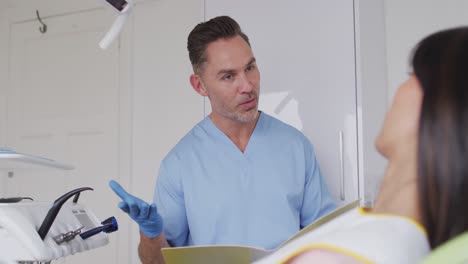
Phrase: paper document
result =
(232, 254)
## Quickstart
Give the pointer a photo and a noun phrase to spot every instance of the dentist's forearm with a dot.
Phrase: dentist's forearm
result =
(149, 249)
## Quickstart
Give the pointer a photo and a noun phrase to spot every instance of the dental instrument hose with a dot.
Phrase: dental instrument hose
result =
(54, 210)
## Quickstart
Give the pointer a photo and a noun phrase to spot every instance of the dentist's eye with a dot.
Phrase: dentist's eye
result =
(227, 77)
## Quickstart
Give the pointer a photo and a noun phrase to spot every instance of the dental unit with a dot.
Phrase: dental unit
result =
(39, 232)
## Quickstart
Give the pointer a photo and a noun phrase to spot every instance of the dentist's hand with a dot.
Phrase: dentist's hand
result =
(145, 215)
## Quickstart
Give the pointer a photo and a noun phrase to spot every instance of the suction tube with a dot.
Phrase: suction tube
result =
(123, 8)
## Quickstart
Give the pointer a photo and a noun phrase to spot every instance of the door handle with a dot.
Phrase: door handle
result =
(342, 179)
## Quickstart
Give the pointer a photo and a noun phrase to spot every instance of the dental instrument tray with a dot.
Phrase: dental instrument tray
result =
(39, 232)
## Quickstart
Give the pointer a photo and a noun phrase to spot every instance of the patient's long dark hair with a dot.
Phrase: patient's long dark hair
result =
(440, 63)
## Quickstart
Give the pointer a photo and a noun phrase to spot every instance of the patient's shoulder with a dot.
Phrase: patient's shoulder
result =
(324, 256)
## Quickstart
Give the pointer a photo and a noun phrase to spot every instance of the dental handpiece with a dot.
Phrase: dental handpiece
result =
(108, 226)
(68, 236)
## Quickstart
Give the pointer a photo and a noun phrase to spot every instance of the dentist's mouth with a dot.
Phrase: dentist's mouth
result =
(249, 104)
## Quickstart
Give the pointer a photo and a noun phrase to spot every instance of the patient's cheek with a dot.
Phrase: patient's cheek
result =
(322, 256)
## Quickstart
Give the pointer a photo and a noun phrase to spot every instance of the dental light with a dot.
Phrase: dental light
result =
(123, 8)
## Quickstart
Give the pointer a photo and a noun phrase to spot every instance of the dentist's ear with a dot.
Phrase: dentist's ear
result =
(197, 84)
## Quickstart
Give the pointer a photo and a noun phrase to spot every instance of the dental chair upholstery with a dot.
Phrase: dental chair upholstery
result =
(454, 251)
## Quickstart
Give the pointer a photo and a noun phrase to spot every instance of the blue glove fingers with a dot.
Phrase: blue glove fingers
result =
(124, 207)
(115, 186)
(134, 210)
(154, 226)
(145, 215)
(153, 211)
(144, 209)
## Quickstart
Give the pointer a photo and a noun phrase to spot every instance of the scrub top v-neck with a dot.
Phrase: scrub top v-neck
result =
(210, 192)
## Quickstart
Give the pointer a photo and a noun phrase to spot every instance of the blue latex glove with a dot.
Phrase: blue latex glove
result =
(145, 215)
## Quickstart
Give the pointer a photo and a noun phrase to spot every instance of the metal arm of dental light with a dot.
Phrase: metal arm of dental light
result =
(123, 9)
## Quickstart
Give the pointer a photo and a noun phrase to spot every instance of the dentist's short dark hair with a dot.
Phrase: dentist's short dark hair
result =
(221, 27)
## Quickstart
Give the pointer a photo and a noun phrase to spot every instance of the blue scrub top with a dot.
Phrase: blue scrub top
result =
(209, 192)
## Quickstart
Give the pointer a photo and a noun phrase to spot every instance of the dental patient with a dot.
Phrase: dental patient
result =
(423, 197)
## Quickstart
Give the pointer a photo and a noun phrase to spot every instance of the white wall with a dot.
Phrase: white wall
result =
(165, 106)
(409, 21)
(3, 86)
(371, 85)
(3, 74)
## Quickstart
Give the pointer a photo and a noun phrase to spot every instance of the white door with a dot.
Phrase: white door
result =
(305, 53)
(63, 103)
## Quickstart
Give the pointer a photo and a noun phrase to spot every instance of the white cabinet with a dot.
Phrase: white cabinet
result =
(306, 56)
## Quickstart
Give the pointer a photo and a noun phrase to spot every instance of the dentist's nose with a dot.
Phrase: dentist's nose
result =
(245, 85)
